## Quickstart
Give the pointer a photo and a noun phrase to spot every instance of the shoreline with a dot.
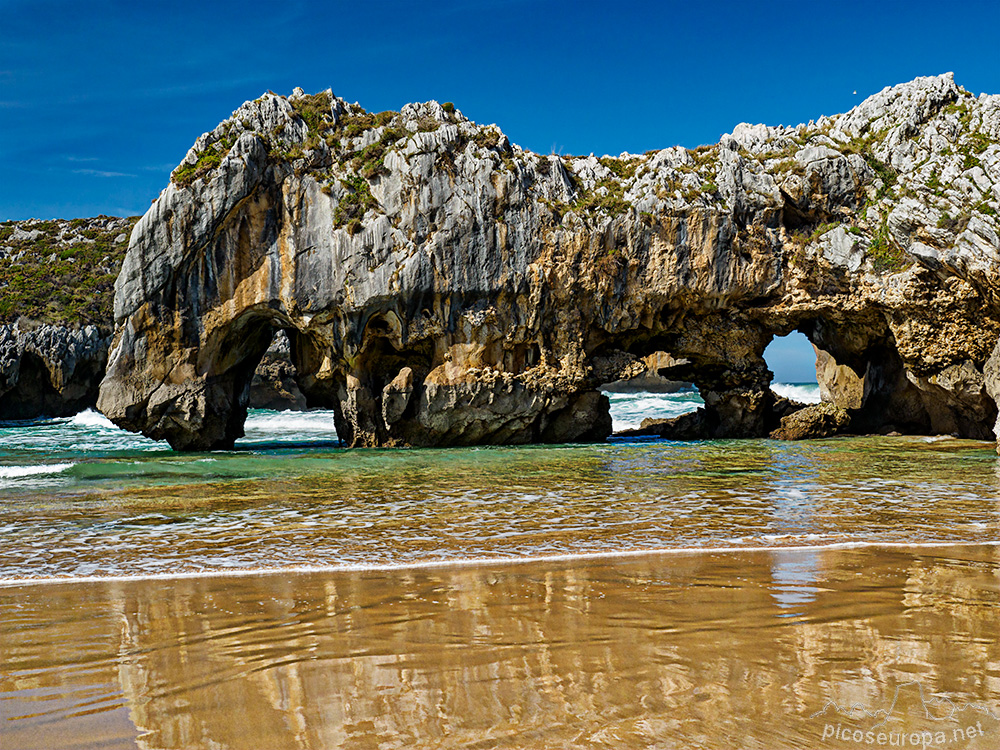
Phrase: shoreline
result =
(487, 562)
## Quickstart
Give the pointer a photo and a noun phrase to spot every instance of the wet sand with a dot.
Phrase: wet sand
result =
(696, 650)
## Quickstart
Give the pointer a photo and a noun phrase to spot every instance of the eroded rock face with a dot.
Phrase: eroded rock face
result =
(48, 370)
(441, 286)
(813, 421)
(647, 377)
(274, 384)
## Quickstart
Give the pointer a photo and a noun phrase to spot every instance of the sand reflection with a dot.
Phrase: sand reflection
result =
(682, 650)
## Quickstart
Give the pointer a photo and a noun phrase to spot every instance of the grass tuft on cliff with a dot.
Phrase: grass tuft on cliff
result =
(61, 272)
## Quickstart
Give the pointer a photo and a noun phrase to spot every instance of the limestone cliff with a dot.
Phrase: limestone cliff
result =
(441, 286)
(56, 294)
(50, 370)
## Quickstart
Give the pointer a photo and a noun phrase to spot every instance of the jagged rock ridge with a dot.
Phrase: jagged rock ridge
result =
(441, 286)
(50, 370)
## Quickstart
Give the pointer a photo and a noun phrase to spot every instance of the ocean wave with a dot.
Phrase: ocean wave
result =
(91, 418)
(16, 472)
(629, 409)
(806, 393)
(291, 421)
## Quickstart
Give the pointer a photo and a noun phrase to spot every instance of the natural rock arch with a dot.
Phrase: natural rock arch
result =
(443, 287)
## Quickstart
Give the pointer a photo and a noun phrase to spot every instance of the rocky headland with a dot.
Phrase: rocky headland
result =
(441, 286)
(437, 285)
(56, 294)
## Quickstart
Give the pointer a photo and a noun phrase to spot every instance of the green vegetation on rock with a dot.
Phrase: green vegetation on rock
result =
(607, 195)
(623, 170)
(353, 205)
(61, 272)
(886, 255)
(208, 160)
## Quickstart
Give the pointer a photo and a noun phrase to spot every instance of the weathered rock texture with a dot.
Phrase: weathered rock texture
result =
(274, 383)
(699, 423)
(56, 300)
(814, 421)
(56, 294)
(648, 379)
(50, 370)
(441, 286)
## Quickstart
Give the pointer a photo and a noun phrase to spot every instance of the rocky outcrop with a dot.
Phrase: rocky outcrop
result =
(61, 272)
(56, 294)
(813, 421)
(701, 423)
(274, 384)
(441, 286)
(56, 299)
(647, 378)
(50, 370)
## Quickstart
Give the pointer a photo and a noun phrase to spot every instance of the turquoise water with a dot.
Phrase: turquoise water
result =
(82, 498)
(87, 453)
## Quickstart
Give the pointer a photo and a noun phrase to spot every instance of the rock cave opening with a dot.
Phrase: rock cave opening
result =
(867, 387)
(275, 380)
(34, 387)
(648, 397)
(792, 362)
(374, 402)
(262, 363)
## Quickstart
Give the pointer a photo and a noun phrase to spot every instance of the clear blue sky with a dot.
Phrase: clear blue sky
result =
(99, 100)
(792, 359)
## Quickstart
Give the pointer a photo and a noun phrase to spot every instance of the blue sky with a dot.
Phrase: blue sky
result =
(792, 359)
(100, 100)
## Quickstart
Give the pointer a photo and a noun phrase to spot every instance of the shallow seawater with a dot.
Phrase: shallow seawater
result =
(638, 593)
(298, 504)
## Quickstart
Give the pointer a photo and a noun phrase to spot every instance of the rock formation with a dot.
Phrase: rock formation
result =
(698, 424)
(274, 383)
(50, 370)
(814, 421)
(56, 299)
(441, 286)
(648, 380)
(56, 293)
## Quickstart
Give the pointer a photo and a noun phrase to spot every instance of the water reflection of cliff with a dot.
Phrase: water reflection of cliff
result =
(696, 650)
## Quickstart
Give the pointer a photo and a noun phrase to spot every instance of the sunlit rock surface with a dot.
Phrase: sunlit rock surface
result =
(441, 286)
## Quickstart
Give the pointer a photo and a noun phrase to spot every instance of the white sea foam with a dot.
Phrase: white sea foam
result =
(16, 472)
(91, 418)
(489, 561)
(629, 409)
(291, 421)
(803, 393)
